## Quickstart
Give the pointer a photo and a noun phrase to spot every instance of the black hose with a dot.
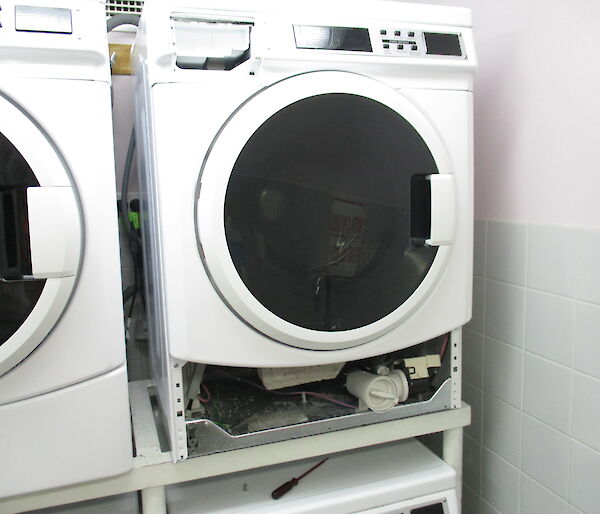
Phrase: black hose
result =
(128, 292)
(125, 183)
(122, 19)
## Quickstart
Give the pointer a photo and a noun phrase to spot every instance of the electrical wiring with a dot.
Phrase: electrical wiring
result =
(338, 255)
(288, 393)
(206, 398)
(444, 346)
(134, 295)
(323, 397)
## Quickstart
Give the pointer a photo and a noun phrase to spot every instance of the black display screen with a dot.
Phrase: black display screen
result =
(442, 44)
(332, 38)
(437, 508)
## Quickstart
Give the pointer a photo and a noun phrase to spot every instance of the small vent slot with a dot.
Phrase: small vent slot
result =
(124, 7)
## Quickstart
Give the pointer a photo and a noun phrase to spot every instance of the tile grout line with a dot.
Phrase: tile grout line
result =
(542, 422)
(544, 358)
(570, 438)
(483, 344)
(496, 397)
(510, 464)
(574, 298)
(572, 391)
(524, 339)
(554, 493)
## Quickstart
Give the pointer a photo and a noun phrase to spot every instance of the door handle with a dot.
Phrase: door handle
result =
(15, 255)
(443, 209)
(54, 231)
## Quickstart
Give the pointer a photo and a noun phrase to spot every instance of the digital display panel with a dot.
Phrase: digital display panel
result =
(332, 38)
(442, 44)
(438, 508)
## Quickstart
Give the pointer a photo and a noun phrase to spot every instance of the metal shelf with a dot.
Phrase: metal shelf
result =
(153, 469)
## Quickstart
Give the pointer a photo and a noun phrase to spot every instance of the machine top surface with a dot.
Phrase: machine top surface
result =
(387, 9)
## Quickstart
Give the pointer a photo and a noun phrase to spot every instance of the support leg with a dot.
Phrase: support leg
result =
(453, 455)
(154, 500)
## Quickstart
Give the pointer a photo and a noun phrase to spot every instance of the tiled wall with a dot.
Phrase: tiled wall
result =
(532, 371)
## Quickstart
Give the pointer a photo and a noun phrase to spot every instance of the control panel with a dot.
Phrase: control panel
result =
(397, 41)
(401, 41)
(391, 40)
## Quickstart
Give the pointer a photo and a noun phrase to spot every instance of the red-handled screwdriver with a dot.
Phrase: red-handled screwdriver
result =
(288, 486)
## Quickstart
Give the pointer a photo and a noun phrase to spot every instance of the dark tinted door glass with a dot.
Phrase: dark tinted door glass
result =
(318, 212)
(17, 296)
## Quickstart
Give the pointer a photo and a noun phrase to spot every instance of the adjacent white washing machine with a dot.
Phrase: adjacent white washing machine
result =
(64, 413)
(307, 178)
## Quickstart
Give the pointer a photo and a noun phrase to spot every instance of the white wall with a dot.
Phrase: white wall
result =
(537, 110)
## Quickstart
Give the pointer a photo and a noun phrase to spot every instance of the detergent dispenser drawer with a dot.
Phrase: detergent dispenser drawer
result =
(211, 45)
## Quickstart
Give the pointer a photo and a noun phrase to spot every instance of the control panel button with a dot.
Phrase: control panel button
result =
(383, 32)
(400, 47)
(386, 45)
(397, 32)
(413, 47)
(411, 34)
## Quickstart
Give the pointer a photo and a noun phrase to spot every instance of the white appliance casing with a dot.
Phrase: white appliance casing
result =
(180, 113)
(64, 410)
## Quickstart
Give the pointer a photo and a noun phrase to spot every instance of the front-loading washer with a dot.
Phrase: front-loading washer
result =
(307, 178)
(64, 413)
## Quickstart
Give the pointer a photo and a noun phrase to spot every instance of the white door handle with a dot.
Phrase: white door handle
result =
(54, 231)
(443, 209)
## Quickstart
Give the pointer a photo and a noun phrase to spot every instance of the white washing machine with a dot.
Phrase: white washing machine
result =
(308, 180)
(64, 413)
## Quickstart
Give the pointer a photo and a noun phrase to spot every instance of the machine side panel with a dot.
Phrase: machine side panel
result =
(166, 374)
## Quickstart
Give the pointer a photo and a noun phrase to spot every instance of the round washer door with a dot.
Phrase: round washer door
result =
(40, 236)
(325, 210)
